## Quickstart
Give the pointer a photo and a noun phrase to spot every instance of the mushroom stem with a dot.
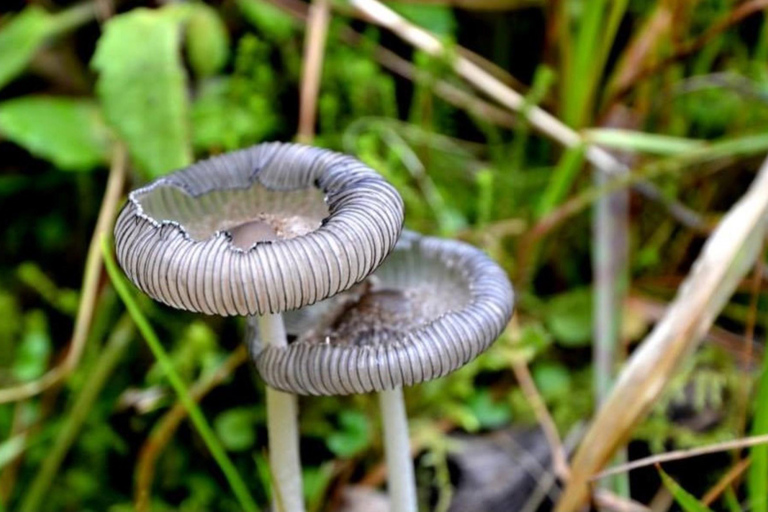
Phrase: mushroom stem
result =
(397, 447)
(283, 430)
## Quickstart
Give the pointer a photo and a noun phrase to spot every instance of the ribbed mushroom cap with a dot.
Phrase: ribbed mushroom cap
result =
(262, 230)
(432, 307)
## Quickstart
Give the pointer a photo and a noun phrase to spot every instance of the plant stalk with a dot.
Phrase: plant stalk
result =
(397, 447)
(283, 429)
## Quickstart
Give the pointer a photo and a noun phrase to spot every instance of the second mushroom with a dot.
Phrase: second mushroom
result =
(433, 306)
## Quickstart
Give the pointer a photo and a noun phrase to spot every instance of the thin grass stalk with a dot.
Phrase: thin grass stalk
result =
(314, 52)
(757, 478)
(236, 483)
(578, 83)
(610, 266)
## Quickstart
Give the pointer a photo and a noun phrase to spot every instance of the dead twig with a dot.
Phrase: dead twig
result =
(314, 51)
(684, 454)
(547, 424)
(90, 288)
(727, 479)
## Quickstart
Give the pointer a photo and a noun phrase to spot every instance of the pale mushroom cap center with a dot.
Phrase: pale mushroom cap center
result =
(250, 215)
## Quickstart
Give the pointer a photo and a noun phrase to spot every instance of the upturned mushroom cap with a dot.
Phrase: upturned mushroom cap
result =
(262, 230)
(433, 306)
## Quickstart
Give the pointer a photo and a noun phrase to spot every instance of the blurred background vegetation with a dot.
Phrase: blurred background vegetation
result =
(99, 97)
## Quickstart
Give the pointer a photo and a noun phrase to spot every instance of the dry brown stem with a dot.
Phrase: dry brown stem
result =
(90, 288)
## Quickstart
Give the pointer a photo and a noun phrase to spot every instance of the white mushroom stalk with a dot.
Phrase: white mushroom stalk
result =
(433, 306)
(255, 233)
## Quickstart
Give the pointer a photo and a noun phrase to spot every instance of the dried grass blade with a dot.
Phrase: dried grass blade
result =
(725, 259)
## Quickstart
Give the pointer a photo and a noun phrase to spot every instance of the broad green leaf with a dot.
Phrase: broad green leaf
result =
(687, 501)
(20, 38)
(142, 87)
(207, 40)
(569, 317)
(70, 133)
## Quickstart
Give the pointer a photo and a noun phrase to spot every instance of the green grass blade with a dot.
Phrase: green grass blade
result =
(687, 501)
(562, 179)
(195, 414)
(542, 82)
(731, 501)
(757, 478)
(630, 140)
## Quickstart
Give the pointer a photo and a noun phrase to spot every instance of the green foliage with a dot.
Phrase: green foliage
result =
(187, 80)
(352, 436)
(20, 38)
(236, 429)
(489, 413)
(70, 133)
(34, 350)
(569, 317)
(237, 111)
(207, 40)
(142, 87)
(269, 20)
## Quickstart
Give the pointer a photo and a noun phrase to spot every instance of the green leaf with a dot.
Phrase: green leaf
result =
(20, 38)
(207, 40)
(569, 317)
(353, 437)
(271, 21)
(552, 379)
(489, 413)
(236, 429)
(225, 120)
(12, 448)
(70, 133)
(687, 501)
(35, 349)
(142, 87)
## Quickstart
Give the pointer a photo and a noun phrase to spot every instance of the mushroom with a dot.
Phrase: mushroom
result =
(255, 233)
(432, 307)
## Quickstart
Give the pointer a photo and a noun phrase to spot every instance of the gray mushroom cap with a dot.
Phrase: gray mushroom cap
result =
(262, 230)
(433, 306)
